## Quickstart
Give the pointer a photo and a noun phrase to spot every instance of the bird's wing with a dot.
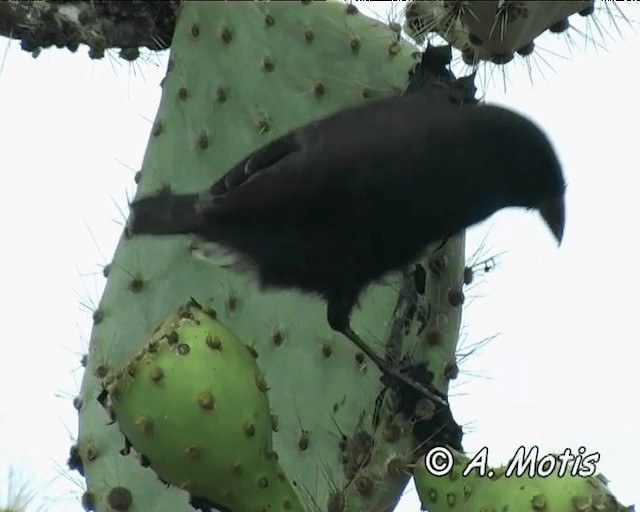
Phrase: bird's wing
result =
(353, 161)
(265, 157)
(271, 176)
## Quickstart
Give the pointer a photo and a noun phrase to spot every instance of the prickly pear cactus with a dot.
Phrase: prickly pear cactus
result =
(167, 417)
(239, 75)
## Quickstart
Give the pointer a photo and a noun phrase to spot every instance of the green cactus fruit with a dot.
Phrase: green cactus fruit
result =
(193, 402)
(502, 490)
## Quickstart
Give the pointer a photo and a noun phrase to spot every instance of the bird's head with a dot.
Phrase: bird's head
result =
(531, 173)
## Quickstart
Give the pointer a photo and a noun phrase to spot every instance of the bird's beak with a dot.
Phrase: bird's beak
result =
(552, 211)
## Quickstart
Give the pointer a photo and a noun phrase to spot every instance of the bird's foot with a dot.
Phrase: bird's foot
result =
(393, 372)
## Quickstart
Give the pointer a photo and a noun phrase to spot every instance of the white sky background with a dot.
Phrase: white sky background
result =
(562, 372)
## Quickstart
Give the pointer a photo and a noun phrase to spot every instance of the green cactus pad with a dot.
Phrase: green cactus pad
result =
(492, 31)
(194, 403)
(239, 75)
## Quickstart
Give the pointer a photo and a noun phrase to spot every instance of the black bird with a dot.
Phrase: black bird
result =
(332, 206)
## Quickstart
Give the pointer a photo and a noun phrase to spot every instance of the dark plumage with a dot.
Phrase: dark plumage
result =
(335, 204)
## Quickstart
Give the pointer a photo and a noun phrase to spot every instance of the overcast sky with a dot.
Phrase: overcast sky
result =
(562, 372)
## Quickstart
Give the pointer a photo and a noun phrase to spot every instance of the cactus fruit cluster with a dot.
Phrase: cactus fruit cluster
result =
(493, 31)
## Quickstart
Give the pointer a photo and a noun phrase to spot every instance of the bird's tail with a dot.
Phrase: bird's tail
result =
(171, 214)
(165, 214)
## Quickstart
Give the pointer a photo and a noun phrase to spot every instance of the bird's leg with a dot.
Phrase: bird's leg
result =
(445, 239)
(388, 369)
(338, 318)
